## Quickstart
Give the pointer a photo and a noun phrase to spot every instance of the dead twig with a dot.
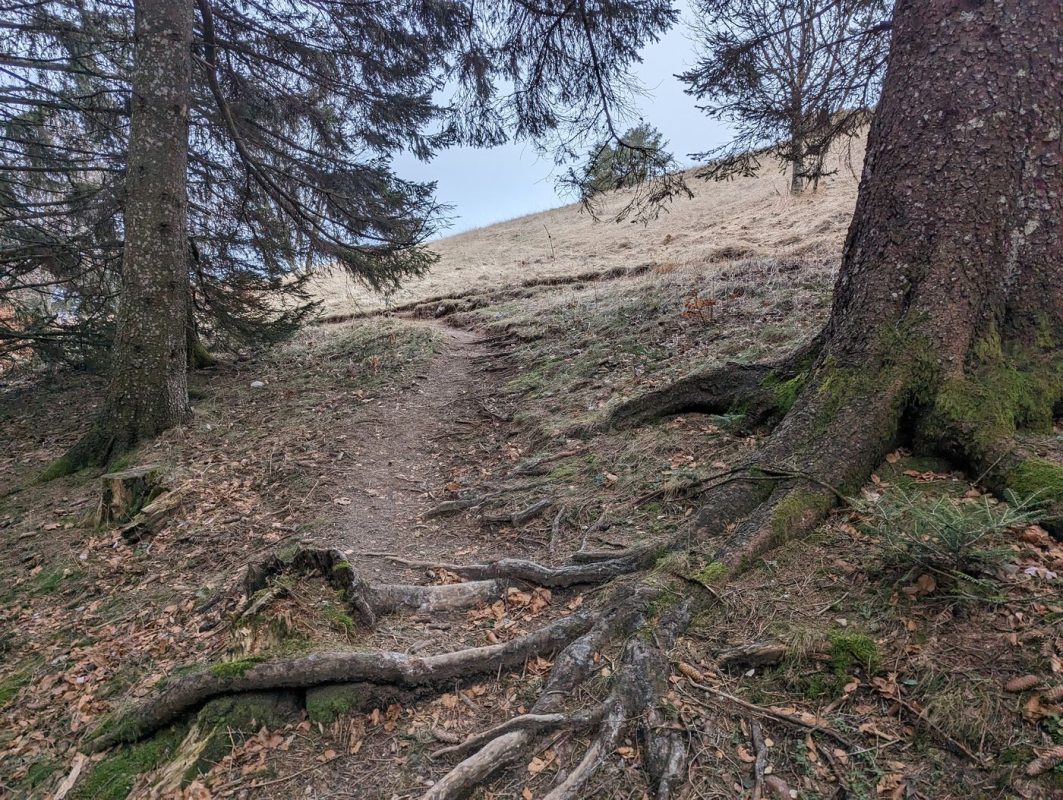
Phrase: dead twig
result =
(789, 719)
(555, 531)
(761, 763)
(518, 518)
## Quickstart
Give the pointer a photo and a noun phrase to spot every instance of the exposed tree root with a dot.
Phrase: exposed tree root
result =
(636, 693)
(572, 574)
(760, 391)
(189, 691)
(716, 391)
(368, 601)
(520, 516)
(539, 723)
(454, 506)
(572, 667)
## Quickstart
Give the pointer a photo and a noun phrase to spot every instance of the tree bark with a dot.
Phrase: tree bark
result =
(797, 170)
(951, 277)
(148, 390)
(946, 330)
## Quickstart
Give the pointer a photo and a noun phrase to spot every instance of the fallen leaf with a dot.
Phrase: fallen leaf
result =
(926, 583)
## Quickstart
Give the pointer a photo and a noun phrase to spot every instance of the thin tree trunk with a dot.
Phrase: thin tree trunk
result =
(797, 169)
(148, 390)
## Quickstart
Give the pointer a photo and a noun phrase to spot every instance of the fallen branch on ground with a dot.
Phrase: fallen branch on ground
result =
(399, 669)
(519, 517)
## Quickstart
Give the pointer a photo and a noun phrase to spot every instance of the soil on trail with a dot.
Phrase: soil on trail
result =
(408, 447)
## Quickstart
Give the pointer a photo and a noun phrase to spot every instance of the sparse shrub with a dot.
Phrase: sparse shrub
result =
(955, 541)
(701, 308)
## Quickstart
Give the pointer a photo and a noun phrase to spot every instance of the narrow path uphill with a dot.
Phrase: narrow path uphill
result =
(406, 450)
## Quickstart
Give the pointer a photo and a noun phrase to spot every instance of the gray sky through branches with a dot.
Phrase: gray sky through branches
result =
(486, 186)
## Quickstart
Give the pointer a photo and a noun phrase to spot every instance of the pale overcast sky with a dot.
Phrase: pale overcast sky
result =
(486, 186)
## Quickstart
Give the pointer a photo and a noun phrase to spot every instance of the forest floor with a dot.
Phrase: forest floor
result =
(441, 436)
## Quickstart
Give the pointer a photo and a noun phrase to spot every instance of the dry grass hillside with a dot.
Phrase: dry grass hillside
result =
(727, 221)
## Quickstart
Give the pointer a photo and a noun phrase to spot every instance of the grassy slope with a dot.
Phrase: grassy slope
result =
(746, 217)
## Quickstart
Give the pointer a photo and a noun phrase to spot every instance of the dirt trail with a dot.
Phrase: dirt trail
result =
(403, 450)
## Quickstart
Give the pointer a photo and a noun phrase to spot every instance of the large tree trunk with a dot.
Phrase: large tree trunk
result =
(947, 322)
(948, 312)
(148, 391)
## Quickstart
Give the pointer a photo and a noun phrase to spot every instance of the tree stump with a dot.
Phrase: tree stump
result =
(123, 494)
(147, 519)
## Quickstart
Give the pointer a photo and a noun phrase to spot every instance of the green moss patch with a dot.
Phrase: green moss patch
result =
(229, 720)
(338, 618)
(711, 574)
(1037, 478)
(50, 581)
(59, 468)
(997, 401)
(784, 393)
(795, 512)
(235, 669)
(38, 773)
(10, 686)
(114, 777)
(564, 472)
(850, 650)
(325, 704)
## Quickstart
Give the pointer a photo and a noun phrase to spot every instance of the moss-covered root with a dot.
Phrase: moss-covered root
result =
(228, 720)
(979, 419)
(114, 777)
(791, 511)
(396, 669)
(60, 468)
(327, 703)
(990, 447)
(1038, 478)
(753, 390)
(1041, 480)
